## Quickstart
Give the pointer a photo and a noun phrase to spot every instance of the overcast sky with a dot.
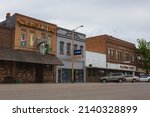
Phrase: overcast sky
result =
(125, 19)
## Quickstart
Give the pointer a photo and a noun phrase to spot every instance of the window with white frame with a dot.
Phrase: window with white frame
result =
(68, 49)
(61, 47)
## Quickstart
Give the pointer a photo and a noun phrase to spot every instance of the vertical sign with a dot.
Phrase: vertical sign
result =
(23, 39)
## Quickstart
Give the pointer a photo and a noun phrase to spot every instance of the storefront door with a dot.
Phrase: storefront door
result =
(39, 73)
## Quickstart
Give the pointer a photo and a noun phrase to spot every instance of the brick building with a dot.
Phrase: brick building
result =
(120, 56)
(27, 50)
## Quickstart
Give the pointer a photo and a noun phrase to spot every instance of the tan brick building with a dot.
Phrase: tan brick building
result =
(120, 56)
(27, 50)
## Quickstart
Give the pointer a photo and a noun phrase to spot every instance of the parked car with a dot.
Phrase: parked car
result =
(145, 79)
(113, 77)
(132, 78)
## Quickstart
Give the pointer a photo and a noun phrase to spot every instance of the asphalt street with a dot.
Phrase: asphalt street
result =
(76, 91)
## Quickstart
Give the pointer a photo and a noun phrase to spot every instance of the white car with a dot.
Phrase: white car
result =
(145, 78)
(132, 78)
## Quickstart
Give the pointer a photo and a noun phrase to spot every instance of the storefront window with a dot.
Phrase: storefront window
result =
(1, 63)
(91, 72)
(22, 66)
(66, 75)
(48, 67)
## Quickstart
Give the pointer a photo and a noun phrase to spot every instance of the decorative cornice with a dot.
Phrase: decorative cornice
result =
(39, 26)
(68, 37)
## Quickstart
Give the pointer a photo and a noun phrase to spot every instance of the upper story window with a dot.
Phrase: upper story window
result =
(139, 58)
(49, 43)
(81, 48)
(132, 57)
(23, 38)
(126, 57)
(32, 40)
(68, 49)
(111, 53)
(61, 48)
(119, 55)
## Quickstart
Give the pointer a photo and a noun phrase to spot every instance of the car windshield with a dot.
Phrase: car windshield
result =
(144, 76)
(114, 74)
(109, 75)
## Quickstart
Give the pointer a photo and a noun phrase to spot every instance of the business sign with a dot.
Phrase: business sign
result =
(77, 52)
(121, 67)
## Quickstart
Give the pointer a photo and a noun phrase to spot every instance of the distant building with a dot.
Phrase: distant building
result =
(27, 50)
(120, 56)
(64, 53)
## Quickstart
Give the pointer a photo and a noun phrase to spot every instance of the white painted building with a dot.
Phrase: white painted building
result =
(64, 53)
(98, 66)
(95, 60)
(95, 66)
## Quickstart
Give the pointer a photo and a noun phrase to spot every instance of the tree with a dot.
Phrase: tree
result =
(144, 50)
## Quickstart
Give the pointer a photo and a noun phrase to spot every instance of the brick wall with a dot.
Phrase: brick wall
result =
(96, 44)
(38, 27)
(102, 43)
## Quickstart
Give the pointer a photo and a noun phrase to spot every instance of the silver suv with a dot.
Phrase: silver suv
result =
(113, 77)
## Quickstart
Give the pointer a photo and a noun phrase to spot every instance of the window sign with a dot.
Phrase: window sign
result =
(23, 39)
(49, 44)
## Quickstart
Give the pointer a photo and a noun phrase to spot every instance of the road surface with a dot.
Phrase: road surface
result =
(76, 91)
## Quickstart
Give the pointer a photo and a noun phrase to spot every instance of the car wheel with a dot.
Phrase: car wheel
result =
(149, 80)
(134, 80)
(120, 80)
(104, 81)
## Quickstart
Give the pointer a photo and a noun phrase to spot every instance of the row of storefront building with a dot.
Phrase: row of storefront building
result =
(34, 51)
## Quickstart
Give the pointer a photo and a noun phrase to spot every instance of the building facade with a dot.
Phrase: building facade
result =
(120, 55)
(64, 53)
(28, 50)
(95, 66)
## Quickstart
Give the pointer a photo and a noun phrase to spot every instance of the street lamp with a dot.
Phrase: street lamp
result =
(73, 51)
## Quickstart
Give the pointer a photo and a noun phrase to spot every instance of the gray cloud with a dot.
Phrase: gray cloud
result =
(125, 19)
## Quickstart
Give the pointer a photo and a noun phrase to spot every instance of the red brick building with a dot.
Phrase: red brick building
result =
(120, 54)
(22, 58)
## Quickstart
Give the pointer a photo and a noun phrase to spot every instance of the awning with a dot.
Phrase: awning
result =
(28, 56)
